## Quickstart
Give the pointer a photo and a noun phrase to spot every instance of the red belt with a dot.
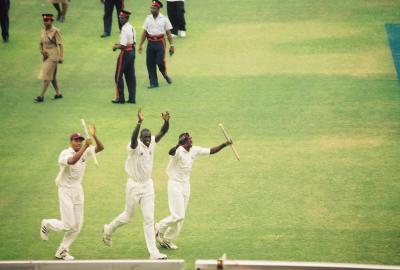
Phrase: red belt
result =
(155, 38)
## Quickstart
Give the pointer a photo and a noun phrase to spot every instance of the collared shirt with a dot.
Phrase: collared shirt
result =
(72, 175)
(127, 35)
(180, 165)
(139, 164)
(157, 26)
(49, 40)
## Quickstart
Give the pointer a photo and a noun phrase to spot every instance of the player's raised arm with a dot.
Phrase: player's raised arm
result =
(135, 133)
(164, 129)
(99, 144)
(218, 148)
(75, 158)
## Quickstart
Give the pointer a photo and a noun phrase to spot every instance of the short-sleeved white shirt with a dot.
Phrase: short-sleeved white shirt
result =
(139, 164)
(127, 35)
(72, 175)
(157, 26)
(180, 165)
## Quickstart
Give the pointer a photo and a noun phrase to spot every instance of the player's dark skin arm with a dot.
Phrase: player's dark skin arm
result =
(172, 151)
(99, 144)
(74, 159)
(171, 44)
(135, 134)
(218, 148)
(164, 128)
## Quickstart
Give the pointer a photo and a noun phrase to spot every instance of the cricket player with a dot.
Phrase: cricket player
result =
(139, 187)
(72, 161)
(180, 165)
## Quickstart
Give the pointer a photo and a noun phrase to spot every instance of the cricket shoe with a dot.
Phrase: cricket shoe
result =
(158, 256)
(106, 237)
(159, 235)
(167, 244)
(181, 33)
(63, 254)
(44, 230)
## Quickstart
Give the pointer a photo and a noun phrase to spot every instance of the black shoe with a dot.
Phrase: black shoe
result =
(39, 99)
(131, 101)
(57, 96)
(168, 79)
(152, 86)
(105, 34)
(118, 101)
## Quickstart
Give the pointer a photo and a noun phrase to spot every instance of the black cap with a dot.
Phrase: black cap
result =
(47, 17)
(156, 3)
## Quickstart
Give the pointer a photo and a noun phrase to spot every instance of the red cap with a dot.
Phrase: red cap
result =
(75, 136)
(48, 17)
(124, 13)
(156, 3)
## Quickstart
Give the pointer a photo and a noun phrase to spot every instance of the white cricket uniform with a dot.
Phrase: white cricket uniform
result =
(139, 190)
(127, 35)
(70, 194)
(157, 26)
(178, 171)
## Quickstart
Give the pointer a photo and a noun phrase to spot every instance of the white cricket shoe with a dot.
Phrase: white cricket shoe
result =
(63, 254)
(106, 236)
(171, 245)
(158, 256)
(44, 230)
(174, 36)
(182, 33)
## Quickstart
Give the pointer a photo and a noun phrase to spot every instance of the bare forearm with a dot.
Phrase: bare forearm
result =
(218, 148)
(99, 144)
(74, 159)
(135, 135)
(172, 151)
(163, 131)
(142, 38)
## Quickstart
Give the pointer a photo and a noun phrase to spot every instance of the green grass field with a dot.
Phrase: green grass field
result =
(307, 89)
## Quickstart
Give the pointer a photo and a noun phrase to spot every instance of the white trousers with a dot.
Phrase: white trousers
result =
(71, 209)
(138, 194)
(178, 200)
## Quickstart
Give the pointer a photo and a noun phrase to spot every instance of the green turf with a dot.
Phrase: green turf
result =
(306, 88)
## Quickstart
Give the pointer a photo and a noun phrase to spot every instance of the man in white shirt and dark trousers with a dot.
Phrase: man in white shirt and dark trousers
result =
(155, 26)
(180, 165)
(126, 60)
(72, 163)
(176, 14)
(139, 187)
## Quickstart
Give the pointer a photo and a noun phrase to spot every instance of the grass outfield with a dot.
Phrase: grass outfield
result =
(307, 88)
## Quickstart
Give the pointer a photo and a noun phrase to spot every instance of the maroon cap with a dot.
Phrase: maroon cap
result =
(75, 136)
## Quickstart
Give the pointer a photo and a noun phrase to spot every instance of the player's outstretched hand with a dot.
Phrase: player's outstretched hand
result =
(171, 50)
(229, 142)
(140, 115)
(165, 115)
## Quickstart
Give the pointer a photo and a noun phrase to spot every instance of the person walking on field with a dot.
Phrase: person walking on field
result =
(176, 14)
(51, 48)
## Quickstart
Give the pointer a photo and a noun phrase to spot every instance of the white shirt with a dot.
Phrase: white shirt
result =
(127, 35)
(72, 175)
(139, 164)
(158, 26)
(180, 165)
(175, 0)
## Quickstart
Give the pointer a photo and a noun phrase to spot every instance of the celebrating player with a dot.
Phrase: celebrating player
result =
(139, 187)
(72, 163)
(181, 161)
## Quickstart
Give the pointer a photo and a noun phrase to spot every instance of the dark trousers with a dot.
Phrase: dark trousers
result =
(126, 67)
(4, 8)
(155, 56)
(108, 12)
(176, 14)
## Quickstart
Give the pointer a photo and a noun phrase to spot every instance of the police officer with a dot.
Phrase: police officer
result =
(126, 60)
(108, 11)
(51, 48)
(155, 26)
